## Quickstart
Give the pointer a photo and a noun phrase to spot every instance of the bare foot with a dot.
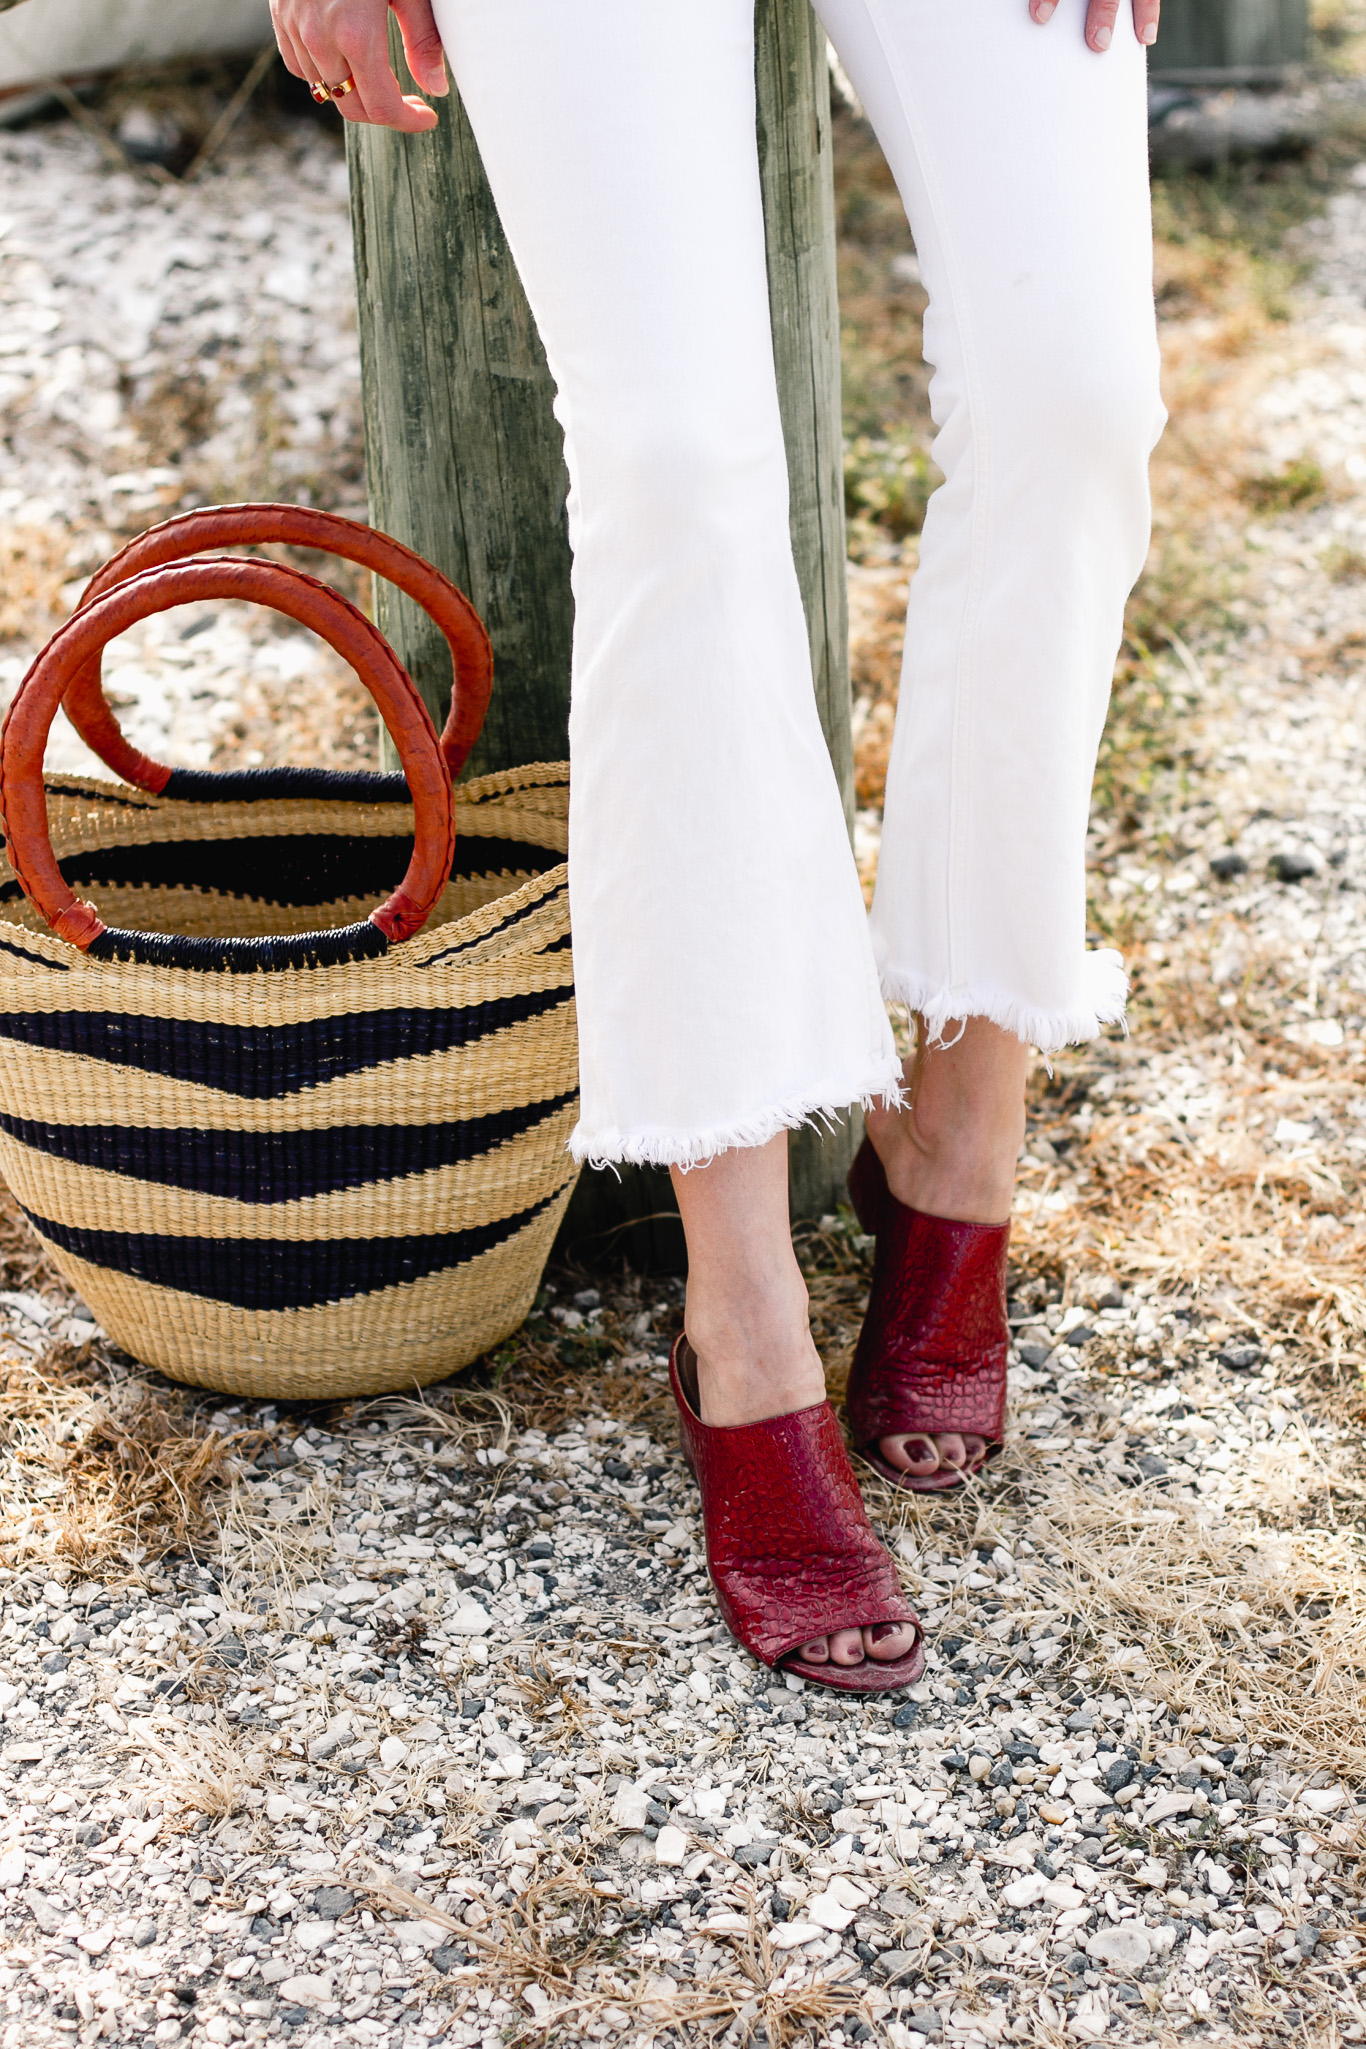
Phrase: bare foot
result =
(747, 1322)
(952, 1153)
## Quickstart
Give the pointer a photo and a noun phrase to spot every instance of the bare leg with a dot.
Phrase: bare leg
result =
(952, 1153)
(747, 1322)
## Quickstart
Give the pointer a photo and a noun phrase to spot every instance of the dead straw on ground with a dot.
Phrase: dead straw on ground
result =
(99, 1473)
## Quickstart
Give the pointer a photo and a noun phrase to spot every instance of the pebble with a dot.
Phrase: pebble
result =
(1127, 1947)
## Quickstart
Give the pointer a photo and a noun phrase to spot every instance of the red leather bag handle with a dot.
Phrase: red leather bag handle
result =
(299, 526)
(75, 650)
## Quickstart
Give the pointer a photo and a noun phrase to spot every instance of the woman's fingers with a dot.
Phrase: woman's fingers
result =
(1100, 23)
(377, 96)
(1101, 16)
(292, 54)
(1145, 19)
(335, 40)
(422, 44)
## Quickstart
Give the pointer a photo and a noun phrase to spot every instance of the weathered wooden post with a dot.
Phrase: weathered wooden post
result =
(466, 465)
(1229, 42)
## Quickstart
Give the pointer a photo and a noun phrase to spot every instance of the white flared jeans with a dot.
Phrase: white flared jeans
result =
(729, 982)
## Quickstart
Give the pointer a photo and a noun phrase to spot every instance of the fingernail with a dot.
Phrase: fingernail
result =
(1044, 10)
(1149, 34)
(1101, 40)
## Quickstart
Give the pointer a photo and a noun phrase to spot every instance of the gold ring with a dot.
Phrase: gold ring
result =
(323, 92)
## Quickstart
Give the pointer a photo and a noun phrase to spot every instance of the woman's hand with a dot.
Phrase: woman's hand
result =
(1100, 19)
(334, 40)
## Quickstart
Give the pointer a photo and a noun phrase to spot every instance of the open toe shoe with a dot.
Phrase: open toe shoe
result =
(790, 1549)
(931, 1357)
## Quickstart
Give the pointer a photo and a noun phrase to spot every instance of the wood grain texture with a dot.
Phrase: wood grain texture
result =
(796, 169)
(1236, 37)
(464, 456)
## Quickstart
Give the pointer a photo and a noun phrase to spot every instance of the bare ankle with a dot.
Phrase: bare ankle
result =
(952, 1151)
(754, 1360)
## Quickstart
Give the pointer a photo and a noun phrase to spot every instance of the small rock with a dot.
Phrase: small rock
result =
(1026, 1891)
(630, 1808)
(306, 1990)
(794, 1934)
(1119, 1774)
(392, 1752)
(469, 1619)
(1291, 867)
(167, 2031)
(331, 1902)
(1126, 1947)
(1226, 866)
(1323, 1799)
(145, 1934)
(1168, 1804)
(95, 1941)
(447, 1958)
(1306, 1940)
(827, 1911)
(671, 1846)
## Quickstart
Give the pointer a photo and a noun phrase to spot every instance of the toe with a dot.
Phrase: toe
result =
(953, 1453)
(846, 1646)
(816, 1652)
(889, 1641)
(975, 1449)
(915, 1454)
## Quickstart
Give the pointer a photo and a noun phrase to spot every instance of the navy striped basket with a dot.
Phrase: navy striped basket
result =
(283, 1147)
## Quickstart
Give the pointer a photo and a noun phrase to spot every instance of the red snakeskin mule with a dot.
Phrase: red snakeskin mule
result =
(931, 1356)
(790, 1549)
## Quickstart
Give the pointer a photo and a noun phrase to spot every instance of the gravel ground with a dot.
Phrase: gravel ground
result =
(165, 346)
(414, 1719)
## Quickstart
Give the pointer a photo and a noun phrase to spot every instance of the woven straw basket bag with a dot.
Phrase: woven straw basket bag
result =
(285, 1144)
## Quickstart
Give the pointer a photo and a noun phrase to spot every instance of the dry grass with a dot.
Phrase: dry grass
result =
(562, 1938)
(204, 1770)
(101, 1470)
(32, 572)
